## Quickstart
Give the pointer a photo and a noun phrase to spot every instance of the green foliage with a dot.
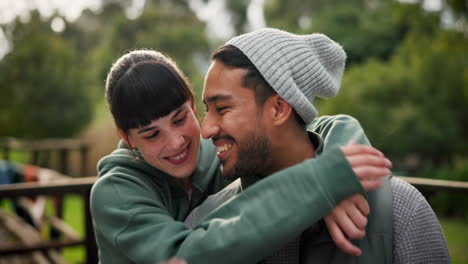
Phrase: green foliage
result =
(406, 78)
(459, 7)
(172, 29)
(414, 103)
(456, 235)
(238, 10)
(365, 28)
(42, 91)
(449, 203)
(73, 205)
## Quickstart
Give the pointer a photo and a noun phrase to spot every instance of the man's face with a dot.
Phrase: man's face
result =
(234, 122)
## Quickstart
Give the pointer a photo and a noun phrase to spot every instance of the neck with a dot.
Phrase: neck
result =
(293, 148)
(186, 184)
(288, 149)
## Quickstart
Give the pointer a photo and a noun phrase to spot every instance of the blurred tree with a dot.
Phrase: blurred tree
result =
(42, 91)
(238, 10)
(459, 7)
(169, 27)
(406, 73)
(365, 28)
(415, 104)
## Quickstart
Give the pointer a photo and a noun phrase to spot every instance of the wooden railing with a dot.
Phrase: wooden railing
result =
(44, 148)
(425, 185)
(80, 186)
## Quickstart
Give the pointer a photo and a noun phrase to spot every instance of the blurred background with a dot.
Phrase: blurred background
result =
(406, 78)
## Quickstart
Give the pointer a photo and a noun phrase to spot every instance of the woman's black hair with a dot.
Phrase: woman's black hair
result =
(144, 85)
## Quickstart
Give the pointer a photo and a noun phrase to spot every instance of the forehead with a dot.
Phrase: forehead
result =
(223, 82)
(162, 120)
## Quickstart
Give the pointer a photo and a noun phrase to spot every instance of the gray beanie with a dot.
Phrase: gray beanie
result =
(298, 67)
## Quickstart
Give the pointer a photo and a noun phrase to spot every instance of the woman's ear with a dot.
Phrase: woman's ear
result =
(125, 137)
(280, 111)
(194, 105)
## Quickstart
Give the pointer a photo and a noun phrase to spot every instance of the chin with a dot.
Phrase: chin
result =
(185, 172)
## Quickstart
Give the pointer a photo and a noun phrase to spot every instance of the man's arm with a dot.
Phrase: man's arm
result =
(418, 237)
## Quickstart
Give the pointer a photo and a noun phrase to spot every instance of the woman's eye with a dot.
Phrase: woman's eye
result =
(180, 120)
(153, 135)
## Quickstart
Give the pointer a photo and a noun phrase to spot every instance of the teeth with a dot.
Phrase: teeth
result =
(178, 157)
(223, 147)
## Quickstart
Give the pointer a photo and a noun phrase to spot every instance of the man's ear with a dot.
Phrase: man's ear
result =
(280, 111)
(125, 137)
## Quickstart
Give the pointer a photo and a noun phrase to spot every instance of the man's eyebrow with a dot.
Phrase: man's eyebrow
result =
(146, 129)
(219, 97)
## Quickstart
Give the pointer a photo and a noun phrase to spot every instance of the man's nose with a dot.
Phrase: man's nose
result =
(209, 126)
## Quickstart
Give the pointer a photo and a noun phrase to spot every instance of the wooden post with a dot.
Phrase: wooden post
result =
(91, 246)
(58, 208)
(45, 161)
(34, 158)
(6, 152)
(63, 161)
(58, 199)
(84, 159)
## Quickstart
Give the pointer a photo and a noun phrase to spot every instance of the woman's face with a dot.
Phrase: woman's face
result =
(170, 143)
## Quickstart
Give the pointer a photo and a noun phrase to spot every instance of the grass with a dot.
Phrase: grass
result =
(456, 234)
(73, 208)
(72, 213)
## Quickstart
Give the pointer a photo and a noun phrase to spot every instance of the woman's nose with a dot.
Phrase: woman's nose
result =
(176, 141)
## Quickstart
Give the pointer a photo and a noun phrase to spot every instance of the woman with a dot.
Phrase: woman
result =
(162, 170)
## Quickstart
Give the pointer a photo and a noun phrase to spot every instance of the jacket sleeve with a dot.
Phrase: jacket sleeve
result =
(338, 130)
(335, 130)
(418, 236)
(256, 223)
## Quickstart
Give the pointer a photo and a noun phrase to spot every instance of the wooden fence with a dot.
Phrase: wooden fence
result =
(40, 152)
(69, 237)
(82, 186)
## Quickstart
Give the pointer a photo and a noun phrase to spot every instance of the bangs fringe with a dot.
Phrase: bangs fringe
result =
(148, 92)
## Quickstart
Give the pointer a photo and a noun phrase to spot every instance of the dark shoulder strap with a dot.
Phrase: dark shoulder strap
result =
(380, 227)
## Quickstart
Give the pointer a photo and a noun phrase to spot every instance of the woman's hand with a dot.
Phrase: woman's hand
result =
(368, 163)
(347, 222)
(348, 219)
(173, 260)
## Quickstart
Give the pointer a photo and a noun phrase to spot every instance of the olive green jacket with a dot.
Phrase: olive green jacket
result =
(138, 210)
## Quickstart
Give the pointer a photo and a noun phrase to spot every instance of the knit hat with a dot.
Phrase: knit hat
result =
(298, 67)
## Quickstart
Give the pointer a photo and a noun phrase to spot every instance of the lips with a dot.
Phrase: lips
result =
(222, 148)
(180, 157)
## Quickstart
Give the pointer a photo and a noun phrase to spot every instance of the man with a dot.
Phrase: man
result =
(258, 93)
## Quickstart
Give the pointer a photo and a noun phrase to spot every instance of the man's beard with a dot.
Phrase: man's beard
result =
(254, 159)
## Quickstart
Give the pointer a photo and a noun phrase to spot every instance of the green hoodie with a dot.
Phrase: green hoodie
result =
(138, 211)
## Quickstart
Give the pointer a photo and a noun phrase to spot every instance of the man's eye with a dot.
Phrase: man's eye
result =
(153, 135)
(221, 109)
